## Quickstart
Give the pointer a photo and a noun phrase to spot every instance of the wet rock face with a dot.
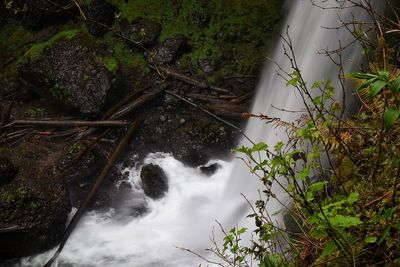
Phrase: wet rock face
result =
(168, 50)
(33, 206)
(210, 169)
(190, 135)
(154, 181)
(72, 73)
(7, 171)
(102, 12)
(143, 30)
(36, 14)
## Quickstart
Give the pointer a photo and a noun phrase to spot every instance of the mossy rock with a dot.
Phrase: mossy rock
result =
(72, 69)
(34, 206)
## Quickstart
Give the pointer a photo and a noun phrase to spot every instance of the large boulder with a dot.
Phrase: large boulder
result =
(74, 71)
(100, 13)
(154, 181)
(34, 206)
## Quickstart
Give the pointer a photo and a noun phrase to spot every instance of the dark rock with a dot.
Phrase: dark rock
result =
(206, 66)
(144, 30)
(71, 72)
(36, 14)
(7, 171)
(170, 49)
(34, 206)
(81, 176)
(102, 12)
(291, 226)
(154, 181)
(192, 142)
(210, 169)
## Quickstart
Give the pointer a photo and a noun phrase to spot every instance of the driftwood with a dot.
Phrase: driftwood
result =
(99, 180)
(177, 74)
(71, 123)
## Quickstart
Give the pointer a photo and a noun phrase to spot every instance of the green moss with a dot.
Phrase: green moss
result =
(239, 32)
(110, 63)
(123, 55)
(36, 50)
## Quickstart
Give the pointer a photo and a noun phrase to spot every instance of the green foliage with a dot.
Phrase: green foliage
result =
(376, 83)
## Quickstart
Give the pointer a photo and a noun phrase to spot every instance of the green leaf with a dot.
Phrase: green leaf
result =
(371, 239)
(390, 117)
(243, 149)
(383, 75)
(329, 248)
(384, 235)
(376, 87)
(362, 75)
(395, 85)
(317, 187)
(352, 198)
(259, 147)
(345, 221)
(366, 83)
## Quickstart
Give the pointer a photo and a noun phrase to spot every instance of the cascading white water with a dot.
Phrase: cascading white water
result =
(186, 215)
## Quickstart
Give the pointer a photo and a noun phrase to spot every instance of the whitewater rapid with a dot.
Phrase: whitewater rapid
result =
(181, 219)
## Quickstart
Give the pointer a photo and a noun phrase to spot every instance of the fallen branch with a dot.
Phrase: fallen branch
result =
(176, 74)
(99, 180)
(124, 102)
(242, 98)
(135, 104)
(228, 109)
(205, 111)
(71, 123)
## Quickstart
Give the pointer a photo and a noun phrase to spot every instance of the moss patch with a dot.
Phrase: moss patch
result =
(36, 50)
(234, 35)
(110, 63)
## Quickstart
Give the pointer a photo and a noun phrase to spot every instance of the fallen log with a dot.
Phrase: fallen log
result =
(71, 123)
(99, 180)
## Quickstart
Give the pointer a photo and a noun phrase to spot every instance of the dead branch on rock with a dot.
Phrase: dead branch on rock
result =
(92, 193)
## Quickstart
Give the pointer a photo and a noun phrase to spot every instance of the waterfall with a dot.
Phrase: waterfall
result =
(185, 217)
